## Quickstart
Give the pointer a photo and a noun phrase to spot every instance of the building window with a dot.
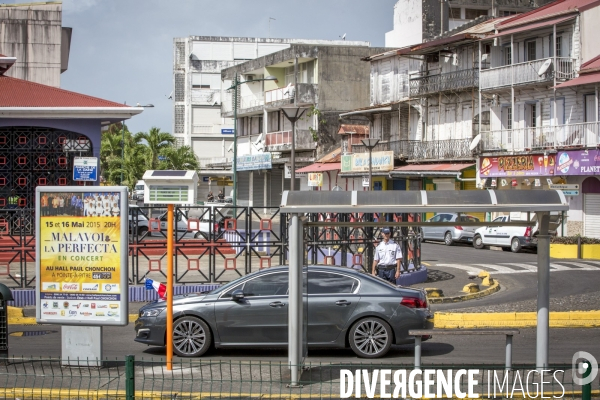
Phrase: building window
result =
(506, 13)
(558, 46)
(507, 55)
(530, 49)
(455, 13)
(509, 118)
(533, 122)
(472, 13)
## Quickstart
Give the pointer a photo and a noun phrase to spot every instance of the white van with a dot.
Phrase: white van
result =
(513, 238)
(138, 191)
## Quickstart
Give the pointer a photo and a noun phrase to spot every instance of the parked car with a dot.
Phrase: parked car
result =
(345, 307)
(138, 191)
(513, 238)
(450, 234)
(137, 221)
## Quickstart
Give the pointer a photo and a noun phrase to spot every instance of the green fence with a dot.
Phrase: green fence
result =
(127, 378)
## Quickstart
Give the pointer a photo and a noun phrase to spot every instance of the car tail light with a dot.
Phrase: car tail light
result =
(528, 232)
(458, 228)
(413, 302)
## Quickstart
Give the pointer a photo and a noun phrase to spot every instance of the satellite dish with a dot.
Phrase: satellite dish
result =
(258, 139)
(230, 147)
(545, 67)
(475, 142)
(287, 88)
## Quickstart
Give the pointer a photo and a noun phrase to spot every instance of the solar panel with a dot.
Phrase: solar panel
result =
(169, 173)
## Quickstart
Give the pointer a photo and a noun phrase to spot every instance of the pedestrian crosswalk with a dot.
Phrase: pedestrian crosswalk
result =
(518, 268)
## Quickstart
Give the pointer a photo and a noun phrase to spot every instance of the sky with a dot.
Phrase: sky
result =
(122, 50)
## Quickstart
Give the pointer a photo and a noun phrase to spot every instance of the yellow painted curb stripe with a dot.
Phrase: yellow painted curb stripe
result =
(471, 296)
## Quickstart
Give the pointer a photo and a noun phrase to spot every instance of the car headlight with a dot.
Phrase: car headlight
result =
(153, 312)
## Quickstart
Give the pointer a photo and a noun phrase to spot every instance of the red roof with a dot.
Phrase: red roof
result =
(591, 65)
(541, 24)
(434, 167)
(581, 80)
(320, 167)
(20, 93)
(557, 8)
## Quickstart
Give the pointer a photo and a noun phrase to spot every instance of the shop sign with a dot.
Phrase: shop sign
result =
(254, 161)
(578, 162)
(382, 161)
(81, 263)
(523, 165)
(315, 179)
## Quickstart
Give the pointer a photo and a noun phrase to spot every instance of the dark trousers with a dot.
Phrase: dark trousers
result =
(387, 274)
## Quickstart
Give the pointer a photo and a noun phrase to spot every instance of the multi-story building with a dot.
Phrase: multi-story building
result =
(330, 80)
(34, 35)
(197, 65)
(417, 21)
(540, 91)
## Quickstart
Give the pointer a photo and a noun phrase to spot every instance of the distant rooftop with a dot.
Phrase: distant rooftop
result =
(277, 40)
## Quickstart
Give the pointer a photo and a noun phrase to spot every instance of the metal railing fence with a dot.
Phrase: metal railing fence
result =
(216, 244)
(127, 378)
(423, 150)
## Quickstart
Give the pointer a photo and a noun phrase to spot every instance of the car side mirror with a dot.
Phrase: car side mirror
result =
(237, 295)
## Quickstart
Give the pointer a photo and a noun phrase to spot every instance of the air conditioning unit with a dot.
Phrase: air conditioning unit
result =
(249, 77)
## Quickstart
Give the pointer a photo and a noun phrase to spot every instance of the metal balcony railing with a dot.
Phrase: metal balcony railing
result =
(527, 72)
(277, 141)
(423, 150)
(449, 81)
(520, 139)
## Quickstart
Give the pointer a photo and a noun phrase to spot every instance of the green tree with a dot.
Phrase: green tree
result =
(156, 142)
(182, 158)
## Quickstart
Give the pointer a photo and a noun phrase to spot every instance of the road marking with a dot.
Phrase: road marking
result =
(517, 268)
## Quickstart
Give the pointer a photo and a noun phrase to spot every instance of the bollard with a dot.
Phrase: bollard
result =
(129, 377)
(586, 389)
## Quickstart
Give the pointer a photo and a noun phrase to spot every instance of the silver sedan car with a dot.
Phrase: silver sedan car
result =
(344, 307)
(450, 234)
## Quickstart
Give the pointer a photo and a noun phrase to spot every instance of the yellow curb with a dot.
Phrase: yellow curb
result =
(571, 319)
(486, 292)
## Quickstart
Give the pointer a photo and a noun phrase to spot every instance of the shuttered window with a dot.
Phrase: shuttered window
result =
(591, 209)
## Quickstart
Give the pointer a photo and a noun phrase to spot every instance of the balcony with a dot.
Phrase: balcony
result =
(206, 97)
(282, 140)
(527, 73)
(207, 162)
(559, 136)
(451, 149)
(450, 81)
(307, 94)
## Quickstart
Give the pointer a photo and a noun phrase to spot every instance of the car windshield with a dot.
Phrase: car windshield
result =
(139, 187)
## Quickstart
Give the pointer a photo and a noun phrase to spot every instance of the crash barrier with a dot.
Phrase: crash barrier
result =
(131, 378)
(218, 244)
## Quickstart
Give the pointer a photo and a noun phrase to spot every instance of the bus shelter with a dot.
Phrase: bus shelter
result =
(297, 204)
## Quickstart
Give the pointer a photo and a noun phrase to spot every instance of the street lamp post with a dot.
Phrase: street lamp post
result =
(123, 141)
(370, 144)
(234, 86)
(293, 114)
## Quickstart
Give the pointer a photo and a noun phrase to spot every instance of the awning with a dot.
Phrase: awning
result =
(581, 80)
(529, 27)
(367, 111)
(320, 167)
(430, 169)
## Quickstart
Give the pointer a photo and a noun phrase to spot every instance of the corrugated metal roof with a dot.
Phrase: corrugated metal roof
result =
(20, 93)
(333, 156)
(581, 80)
(528, 27)
(555, 9)
(591, 65)
(351, 129)
(486, 26)
(320, 167)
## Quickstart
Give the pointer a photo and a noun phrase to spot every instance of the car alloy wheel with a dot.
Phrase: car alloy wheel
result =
(191, 337)
(448, 239)
(515, 245)
(370, 338)
(478, 242)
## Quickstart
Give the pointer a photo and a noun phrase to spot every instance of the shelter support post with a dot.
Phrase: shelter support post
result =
(295, 318)
(543, 300)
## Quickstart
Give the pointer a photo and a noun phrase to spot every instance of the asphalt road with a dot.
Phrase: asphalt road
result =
(118, 341)
(438, 253)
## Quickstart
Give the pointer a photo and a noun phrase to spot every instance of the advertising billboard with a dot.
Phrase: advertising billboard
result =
(81, 255)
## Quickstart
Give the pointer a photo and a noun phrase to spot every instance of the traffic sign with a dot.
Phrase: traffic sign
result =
(85, 169)
(564, 187)
(227, 131)
(571, 192)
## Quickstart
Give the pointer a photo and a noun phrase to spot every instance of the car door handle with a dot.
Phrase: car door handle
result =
(342, 303)
(277, 304)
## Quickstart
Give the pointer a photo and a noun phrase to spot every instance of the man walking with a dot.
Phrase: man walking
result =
(388, 256)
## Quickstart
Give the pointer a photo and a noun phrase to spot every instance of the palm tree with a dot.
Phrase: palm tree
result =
(182, 158)
(156, 141)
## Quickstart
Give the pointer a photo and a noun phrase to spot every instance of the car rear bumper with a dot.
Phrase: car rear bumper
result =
(528, 241)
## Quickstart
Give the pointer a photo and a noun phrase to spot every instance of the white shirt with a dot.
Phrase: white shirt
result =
(387, 253)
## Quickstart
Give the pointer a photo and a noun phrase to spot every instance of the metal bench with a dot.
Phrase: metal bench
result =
(418, 333)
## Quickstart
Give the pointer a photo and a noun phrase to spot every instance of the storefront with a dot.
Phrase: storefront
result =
(573, 171)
